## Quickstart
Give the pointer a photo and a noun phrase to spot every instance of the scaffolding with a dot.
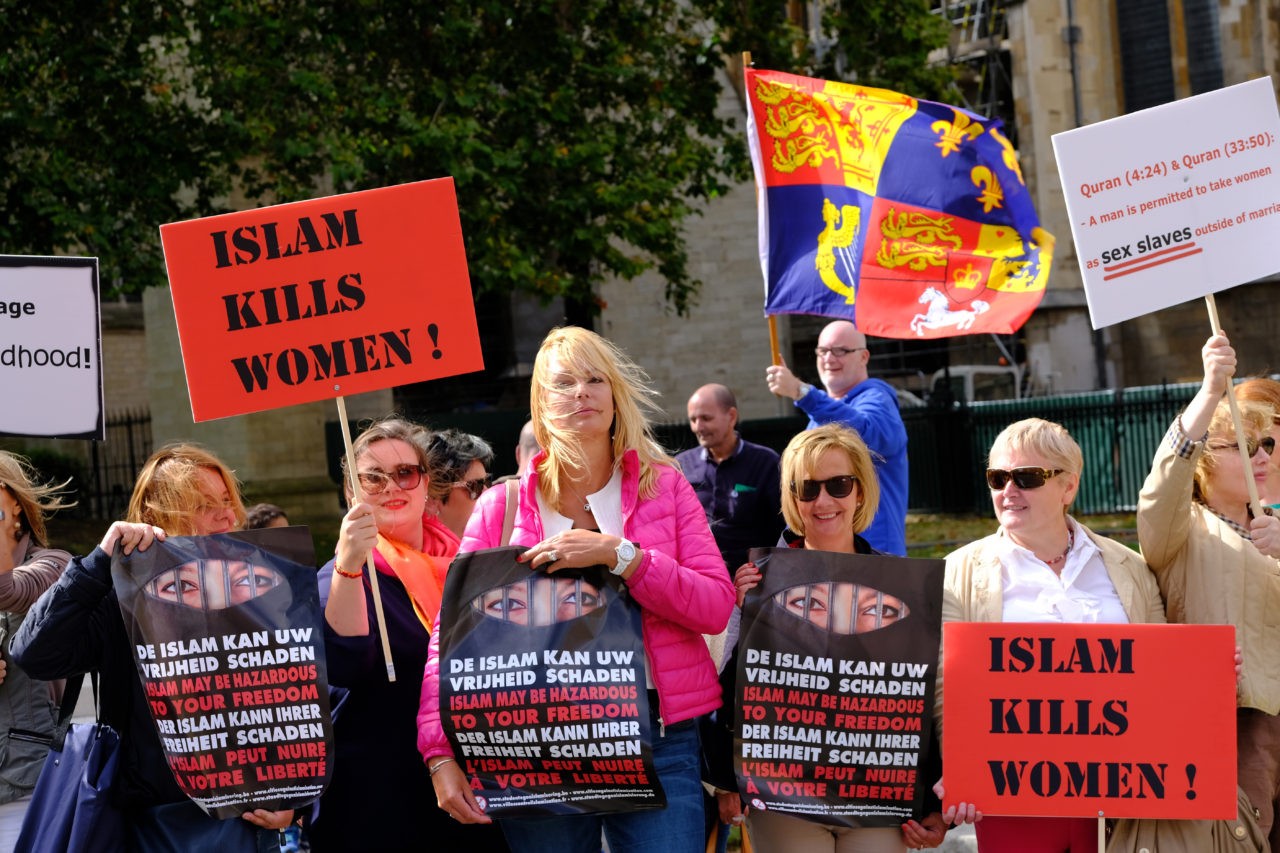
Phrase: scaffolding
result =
(979, 47)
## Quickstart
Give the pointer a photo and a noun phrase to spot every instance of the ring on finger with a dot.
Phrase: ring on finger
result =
(552, 556)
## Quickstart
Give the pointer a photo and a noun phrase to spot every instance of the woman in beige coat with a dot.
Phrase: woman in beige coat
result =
(1044, 566)
(1216, 563)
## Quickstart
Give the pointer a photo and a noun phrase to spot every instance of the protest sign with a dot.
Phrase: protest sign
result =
(322, 298)
(228, 639)
(1174, 202)
(836, 665)
(1086, 720)
(50, 347)
(542, 688)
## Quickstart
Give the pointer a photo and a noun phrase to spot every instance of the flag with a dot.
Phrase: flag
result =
(908, 217)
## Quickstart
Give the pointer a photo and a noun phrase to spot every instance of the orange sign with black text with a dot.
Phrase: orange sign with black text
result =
(1075, 720)
(321, 299)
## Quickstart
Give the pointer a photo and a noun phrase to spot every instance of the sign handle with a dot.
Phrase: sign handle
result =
(373, 572)
(1102, 833)
(1254, 503)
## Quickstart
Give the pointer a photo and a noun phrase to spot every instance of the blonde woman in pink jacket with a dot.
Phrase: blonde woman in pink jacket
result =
(604, 493)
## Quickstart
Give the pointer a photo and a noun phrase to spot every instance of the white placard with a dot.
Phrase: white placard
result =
(1174, 202)
(50, 347)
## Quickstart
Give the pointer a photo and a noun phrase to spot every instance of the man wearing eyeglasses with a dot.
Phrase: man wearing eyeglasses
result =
(736, 481)
(869, 406)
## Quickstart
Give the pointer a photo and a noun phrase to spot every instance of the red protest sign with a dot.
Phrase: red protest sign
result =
(1073, 720)
(323, 298)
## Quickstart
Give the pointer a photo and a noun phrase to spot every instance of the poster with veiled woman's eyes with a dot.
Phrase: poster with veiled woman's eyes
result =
(543, 688)
(837, 658)
(228, 640)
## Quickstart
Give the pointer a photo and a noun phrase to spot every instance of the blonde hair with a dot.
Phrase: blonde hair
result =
(167, 493)
(1045, 439)
(1256, 418)
(801, 457)
(21, 480)
(584, 353)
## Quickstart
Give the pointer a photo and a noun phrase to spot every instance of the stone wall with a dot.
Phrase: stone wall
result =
(1062, 350)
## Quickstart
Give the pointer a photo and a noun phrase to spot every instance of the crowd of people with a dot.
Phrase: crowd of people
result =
(596, 489)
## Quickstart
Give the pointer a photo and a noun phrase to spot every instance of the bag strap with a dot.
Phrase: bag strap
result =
(509, 513)
(70, 696)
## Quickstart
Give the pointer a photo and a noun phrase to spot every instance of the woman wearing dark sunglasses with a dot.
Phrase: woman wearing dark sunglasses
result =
(380, 793)
(829, 496)
(459, 465)
(1044, 566)
(1216, 562)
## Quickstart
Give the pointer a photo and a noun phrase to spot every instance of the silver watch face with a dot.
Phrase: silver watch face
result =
(626, 552)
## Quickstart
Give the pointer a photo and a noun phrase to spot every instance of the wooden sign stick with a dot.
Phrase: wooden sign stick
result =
(1254, 503)
(373, 572)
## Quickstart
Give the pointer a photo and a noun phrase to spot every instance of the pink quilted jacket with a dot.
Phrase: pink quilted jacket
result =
(682, 587)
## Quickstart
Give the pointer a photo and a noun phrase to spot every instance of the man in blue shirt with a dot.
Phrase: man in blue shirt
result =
(868, 405)
(736, 481)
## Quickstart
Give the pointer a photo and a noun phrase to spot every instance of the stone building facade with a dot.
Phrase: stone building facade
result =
(725, 338)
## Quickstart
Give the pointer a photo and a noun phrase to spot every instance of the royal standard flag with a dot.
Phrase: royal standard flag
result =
(908, 217)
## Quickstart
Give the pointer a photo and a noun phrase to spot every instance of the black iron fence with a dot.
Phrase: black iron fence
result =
(114, 463)
(1118, 431)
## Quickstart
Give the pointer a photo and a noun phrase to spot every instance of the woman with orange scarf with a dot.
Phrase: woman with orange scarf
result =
(380, 790)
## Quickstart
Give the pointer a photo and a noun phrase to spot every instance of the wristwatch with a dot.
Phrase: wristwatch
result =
(626, 552)
(805, 388)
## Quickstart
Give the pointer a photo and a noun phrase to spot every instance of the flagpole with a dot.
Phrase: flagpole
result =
(1254, 503)
(373, 571)
(775, 351)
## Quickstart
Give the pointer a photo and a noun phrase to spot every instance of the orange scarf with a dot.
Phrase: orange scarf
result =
(421, 572)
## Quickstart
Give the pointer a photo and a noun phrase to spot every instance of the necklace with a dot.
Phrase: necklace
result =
(586, 504)
(1071, 540)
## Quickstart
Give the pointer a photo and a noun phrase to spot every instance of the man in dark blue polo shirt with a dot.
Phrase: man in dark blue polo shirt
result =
(736, 481)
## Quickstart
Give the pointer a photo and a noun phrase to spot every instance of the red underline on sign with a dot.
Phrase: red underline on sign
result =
(1147, 266)
(1148, 257)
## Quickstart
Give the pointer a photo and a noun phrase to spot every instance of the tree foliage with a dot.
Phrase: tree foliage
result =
(580, 133)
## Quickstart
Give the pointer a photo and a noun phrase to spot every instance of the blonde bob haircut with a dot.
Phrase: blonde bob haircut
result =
(35, 498)
(801, 457)
(585, 354)
(1039, 437)
(1256, 419)
(167, 493)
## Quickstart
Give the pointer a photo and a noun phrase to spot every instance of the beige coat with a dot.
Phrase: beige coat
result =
(1209, 575)
(973, 592)
(974, 588)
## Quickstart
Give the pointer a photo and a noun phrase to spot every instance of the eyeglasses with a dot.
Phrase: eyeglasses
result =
(838, 352)
(475, 488)
(375, 482)
(837, 487)
(1251, 445)
(1023, 478)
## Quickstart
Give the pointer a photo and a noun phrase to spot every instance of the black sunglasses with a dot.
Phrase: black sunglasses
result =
(475, 488)
(837, 487)
(1251, 445)
(405, 477)
(1023, 478)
